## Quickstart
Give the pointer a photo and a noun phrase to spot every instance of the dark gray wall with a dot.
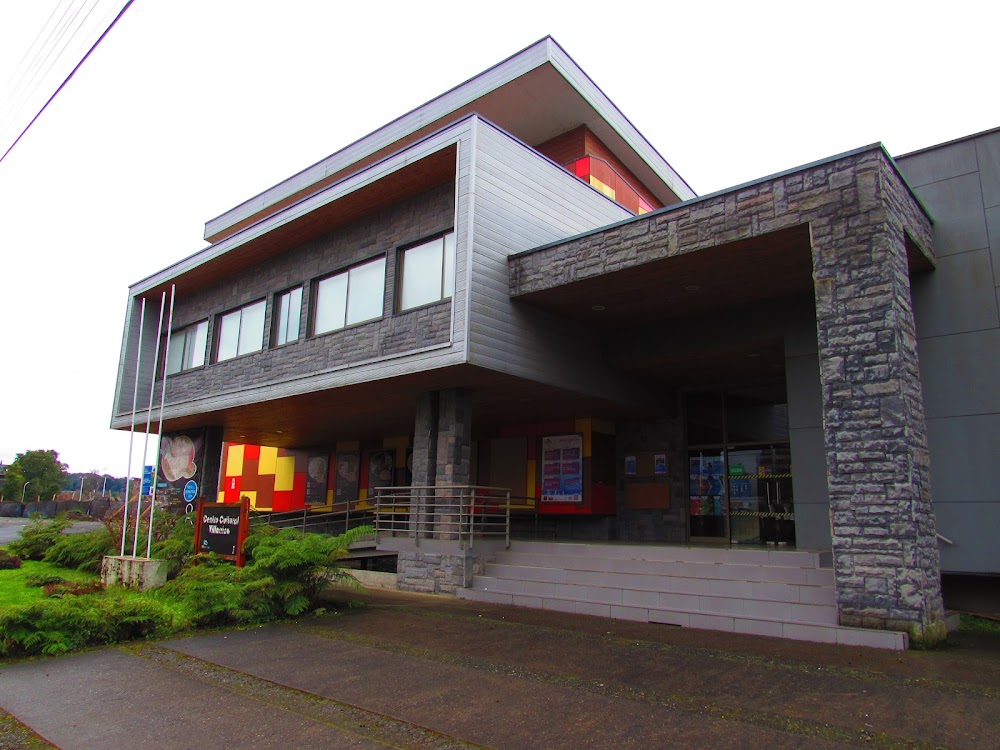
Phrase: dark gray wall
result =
(378, 235)
(958, 330)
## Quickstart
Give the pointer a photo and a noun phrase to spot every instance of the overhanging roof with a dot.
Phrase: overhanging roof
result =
(535, 95)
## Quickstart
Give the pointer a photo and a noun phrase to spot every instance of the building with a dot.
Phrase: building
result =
(510, 287)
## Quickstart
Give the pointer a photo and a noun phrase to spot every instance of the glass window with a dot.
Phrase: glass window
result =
(354, 296)
(241, 331)
(187, 347)
(288, 309)
(428, 272)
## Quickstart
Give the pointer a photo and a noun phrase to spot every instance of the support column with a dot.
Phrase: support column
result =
(884, 535)
(454, 457)
(425, 441)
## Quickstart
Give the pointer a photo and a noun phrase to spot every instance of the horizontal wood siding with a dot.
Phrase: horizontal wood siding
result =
(522, 201)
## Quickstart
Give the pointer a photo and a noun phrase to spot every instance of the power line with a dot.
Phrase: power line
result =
(67, 78)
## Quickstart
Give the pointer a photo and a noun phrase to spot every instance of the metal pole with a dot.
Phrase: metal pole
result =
(149, 418)
(131, 432)
(23, 488)
(159, 432)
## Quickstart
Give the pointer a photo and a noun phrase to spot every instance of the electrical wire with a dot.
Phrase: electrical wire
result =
(67, 79)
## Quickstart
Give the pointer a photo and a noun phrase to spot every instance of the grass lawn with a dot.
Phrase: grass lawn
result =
(14, 593)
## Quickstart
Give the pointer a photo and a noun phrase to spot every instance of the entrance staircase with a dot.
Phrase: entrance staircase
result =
(770, 592)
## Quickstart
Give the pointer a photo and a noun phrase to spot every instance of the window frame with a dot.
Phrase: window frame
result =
(316, 298)
(445, 292)
(188, 331)
(276, 317)
(219, 321)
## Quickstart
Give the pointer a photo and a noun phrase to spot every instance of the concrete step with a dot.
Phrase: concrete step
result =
(797, 604)
(763, 573)
(676, 553)
(732, 623)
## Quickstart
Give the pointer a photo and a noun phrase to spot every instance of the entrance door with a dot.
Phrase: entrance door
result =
(740, 468)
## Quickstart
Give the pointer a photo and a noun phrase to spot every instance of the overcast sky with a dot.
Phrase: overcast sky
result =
(192, 106)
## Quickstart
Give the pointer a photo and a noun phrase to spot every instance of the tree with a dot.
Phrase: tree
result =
(42, 469)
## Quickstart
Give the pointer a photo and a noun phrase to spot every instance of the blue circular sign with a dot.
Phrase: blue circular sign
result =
(190, 490)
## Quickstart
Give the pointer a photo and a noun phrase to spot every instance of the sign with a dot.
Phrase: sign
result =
(147, 481)
(222, 528)
(182, 460)
(562, 469)
(190, 491)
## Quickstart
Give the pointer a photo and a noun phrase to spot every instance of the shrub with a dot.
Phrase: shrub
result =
(210, 593)
(72, 588)
(82, 551)
(54, 626)
(9, 561)
(177, 543)
(38, 537)
(39, 582)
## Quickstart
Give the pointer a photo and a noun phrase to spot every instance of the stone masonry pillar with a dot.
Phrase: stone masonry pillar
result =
(884, 536)
(454, 454)
(425, 441)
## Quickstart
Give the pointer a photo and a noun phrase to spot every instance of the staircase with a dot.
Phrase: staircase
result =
(770, 592)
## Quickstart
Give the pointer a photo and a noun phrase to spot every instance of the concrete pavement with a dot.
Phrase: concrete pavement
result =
(415, 671)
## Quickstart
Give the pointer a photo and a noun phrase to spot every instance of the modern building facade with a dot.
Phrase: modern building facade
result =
(510, 287)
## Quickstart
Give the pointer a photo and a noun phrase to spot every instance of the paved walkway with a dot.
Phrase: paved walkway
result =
(411, 671)
(10, 528)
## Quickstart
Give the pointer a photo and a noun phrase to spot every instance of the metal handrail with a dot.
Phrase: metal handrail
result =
(308, 520)
(461, 513)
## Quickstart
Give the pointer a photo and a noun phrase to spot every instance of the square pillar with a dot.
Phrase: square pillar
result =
(885, 549)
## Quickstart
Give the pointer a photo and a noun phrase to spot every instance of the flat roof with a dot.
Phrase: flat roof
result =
(536, 94)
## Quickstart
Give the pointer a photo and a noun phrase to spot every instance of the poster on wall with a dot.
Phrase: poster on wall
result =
(380, 469)
(346, 484)
(562, 469)
(182, 458)
(317, 471)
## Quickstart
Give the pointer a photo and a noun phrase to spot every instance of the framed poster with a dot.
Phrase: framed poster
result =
(317, 472)
(179, 473)
(381, 464)
(346, 483)
(222, 528)
(562, 469)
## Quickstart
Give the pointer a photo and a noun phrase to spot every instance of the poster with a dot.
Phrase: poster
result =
(660, 464)
(179, 477)
(562, 469)
(317, 471)
(380, 469)
(346, 481)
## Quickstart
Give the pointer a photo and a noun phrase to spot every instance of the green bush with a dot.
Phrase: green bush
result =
(210, 594)
(9, 561)
(82, 551)
(54, 626)
(38, 537)
(176, 544)
(41, 581)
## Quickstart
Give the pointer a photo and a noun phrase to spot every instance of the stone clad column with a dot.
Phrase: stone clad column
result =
(884, 535)
(454, 455)
(425, 440)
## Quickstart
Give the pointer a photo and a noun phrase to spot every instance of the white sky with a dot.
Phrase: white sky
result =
(192, 106)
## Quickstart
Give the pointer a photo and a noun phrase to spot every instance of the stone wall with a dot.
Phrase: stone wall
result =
(436, 573)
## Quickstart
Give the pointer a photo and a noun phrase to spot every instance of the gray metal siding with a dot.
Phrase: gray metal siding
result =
(522, 201)
(957, 311)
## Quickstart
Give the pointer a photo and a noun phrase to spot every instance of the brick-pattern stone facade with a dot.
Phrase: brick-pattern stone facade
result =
(862, 220)
(436, 573)
(380, 234)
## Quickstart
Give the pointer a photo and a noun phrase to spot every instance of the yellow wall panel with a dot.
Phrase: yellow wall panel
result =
(530, 490)
(222, 498)
(234, 461)
(268, 459)
(252, 494)
(284, 473)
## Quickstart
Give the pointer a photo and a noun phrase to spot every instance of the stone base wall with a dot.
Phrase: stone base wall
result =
(436, 573)
(133, 572)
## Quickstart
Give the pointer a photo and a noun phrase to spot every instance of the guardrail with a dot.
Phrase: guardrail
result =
(462, 513)
(324, 522)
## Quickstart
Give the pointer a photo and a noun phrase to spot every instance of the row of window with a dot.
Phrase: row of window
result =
(356, 295)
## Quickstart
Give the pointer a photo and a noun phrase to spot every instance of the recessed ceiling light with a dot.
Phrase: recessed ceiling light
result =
(598, 308)
(692, 288)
